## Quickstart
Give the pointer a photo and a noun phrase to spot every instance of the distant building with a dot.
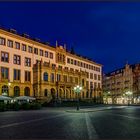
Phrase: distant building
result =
(122, 86)
(30, 67)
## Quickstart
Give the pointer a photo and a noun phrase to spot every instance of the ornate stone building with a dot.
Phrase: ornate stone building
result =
(31, 67)
(117, 83)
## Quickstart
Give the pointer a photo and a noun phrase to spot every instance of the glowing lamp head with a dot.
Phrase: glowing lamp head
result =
(9, 84)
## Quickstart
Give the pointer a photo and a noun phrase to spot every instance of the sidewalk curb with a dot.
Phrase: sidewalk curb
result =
(84, 111)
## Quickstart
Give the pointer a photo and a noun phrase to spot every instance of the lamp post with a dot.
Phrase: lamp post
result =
(77, 89)
(128, 94)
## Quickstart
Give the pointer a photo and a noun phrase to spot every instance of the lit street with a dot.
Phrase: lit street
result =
(55, 123)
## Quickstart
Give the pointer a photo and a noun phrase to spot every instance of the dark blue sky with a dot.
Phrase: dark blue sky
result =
(109, 33)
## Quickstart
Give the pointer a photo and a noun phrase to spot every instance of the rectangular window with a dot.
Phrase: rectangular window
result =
(59, 67)
(35, 51)
(52, 77)
(91, 75)
(87, 84)
(10, 43)
(51, 55)
(76, 80)
(66, 68)
(71, 61)
(28, 62)
(4, 73)
(99, 77)
(65, 78)
(78, 63)
(30, 49)
(4, 57)
(71, 69)
(46, 54)
(71, 79)
(84, 65)
(17, 45)
(16, 74)
(99, 85)
(17, 59)
(89, 66)
(81, 64)
(74, 62)
(53, 66)
(68, 60)
(23, 47)
(95, 76)
(91, 85)
(2, 41)
(58, 77)
(87, 75)
(41, 52)
(27, 76)
(95, 85)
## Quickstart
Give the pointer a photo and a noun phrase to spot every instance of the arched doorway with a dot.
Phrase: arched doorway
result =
(5, 89)
(16, 91)
(27, 91)
(67, 94)
(53, 92)
(61, 95)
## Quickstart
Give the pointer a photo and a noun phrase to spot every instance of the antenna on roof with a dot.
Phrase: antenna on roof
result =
(65, 46)
(56, 43)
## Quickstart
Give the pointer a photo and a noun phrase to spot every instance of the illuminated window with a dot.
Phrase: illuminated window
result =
(4, 57)
(30, 49)
(10, 43)
(27, 76)
(4, 73)
(45, 76)
(16, 74)
(17, 45)
(24, 47)
(28, 62)
(17, 59)
(2, 41)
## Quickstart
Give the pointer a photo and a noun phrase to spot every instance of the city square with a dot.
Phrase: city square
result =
(69, 70)
(102, 122)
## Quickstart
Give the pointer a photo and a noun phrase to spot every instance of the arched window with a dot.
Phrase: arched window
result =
(5, 89)
(16, 91)
(53, 92)
(27, 91)
(45, 76)
(45, 92)
(60, 93)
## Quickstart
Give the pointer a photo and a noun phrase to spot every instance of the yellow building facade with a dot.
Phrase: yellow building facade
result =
(33, 68)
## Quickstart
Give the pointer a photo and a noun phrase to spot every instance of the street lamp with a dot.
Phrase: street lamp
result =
(77, 89)
(128, 94)
(9, 84)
